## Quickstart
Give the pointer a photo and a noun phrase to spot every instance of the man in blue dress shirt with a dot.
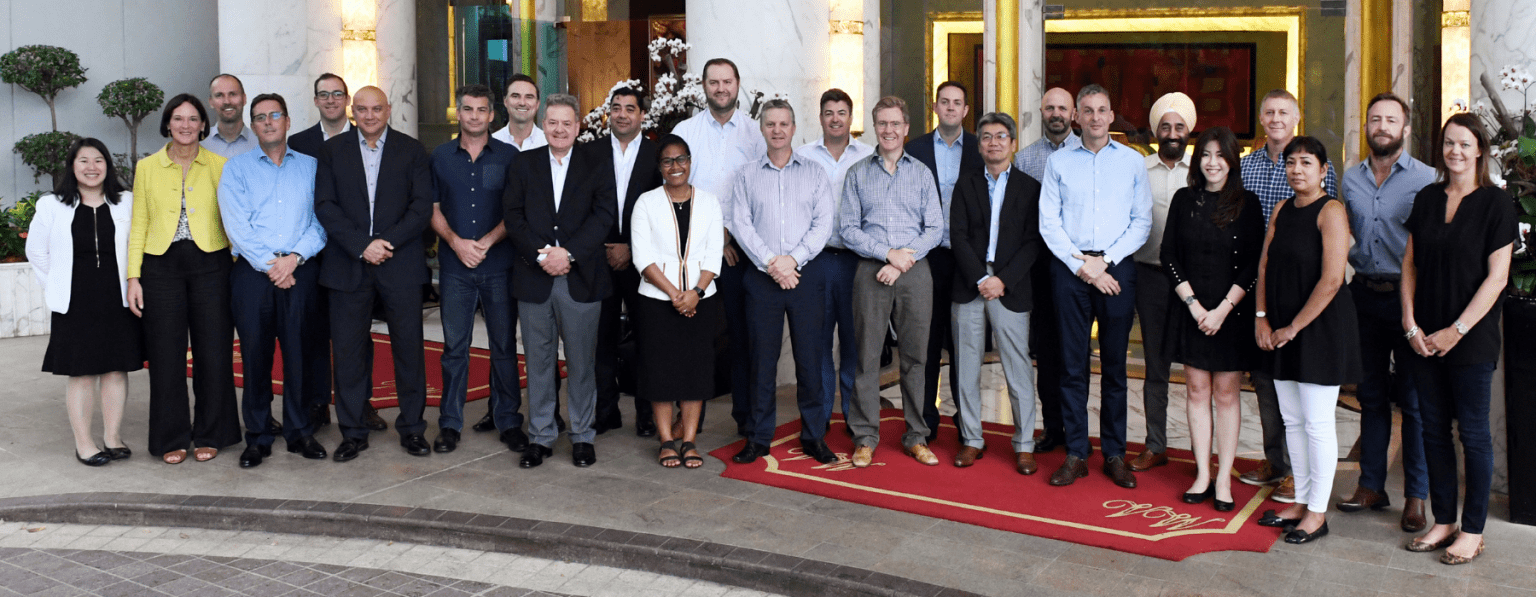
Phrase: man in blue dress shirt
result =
(1095, 212)
(267, 203)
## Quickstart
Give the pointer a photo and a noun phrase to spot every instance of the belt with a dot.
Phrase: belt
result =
(835, 250)
(1093, 253)
(1374, 284)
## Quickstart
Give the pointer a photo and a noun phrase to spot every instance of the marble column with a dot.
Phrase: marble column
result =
(1501, 35)
(396, 35)
(280, 46)
(779, 47)
(1353, 37)
(1031, 69)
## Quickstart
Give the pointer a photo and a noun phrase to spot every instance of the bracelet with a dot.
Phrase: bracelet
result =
(1229, 302)
(1413, 331)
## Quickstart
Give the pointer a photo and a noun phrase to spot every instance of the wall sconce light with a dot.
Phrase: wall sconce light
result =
(359, 48)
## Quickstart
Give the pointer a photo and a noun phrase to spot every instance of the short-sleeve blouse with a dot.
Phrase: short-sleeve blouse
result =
(1451, 260)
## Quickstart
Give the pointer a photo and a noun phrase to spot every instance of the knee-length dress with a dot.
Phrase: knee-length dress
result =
(1327, 351)
(98, 334)
(676, 353)
(1212, 259)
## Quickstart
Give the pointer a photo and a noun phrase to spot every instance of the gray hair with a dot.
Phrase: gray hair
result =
(775, 104)
(997, 118)
(1091, 89)
(563, 99)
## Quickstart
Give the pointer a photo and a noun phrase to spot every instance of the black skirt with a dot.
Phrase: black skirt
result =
(98, 334)
(676, 353)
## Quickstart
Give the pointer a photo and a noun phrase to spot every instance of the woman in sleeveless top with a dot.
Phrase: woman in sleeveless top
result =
(1306, 322)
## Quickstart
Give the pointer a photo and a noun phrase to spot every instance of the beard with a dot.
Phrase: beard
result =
(1384, 149)
(1171, 148)
(729, 103)
(1057, 125)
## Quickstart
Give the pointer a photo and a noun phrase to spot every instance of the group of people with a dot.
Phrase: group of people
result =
(939, 239)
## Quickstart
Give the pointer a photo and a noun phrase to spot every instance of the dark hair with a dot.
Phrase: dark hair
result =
(176, 102)
(955, 84)
(1307, 145)
(718, 61)
(997, 118)
(68, 189)
(1470, 122)
(630, 92)
(524, 78)
(222, 75)
(1392, 97)
(835, 95)
(1230, 204)
(268, 97)
(331, 76)
(669, 140)
(472, 90)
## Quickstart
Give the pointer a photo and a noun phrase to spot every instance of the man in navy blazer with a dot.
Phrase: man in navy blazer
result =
(373, 196)
(632, 159)
(950, 153)
(560, 208)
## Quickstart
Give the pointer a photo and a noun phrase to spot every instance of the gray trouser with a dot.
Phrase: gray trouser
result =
(907, 304)
(1010, 332)
(1152, 297)
(545, 325)
(1272, 424)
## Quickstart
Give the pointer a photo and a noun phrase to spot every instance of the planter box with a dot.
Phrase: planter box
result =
(23, 311)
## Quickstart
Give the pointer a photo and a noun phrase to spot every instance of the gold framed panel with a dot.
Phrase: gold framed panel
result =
(936, 37)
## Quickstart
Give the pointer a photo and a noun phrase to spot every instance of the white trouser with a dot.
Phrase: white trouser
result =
(1311, 436)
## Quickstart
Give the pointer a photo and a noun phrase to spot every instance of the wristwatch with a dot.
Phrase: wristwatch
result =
(1260, 314)
(301, 257)
(699, 291)
(1189, 300)
(1461, 328)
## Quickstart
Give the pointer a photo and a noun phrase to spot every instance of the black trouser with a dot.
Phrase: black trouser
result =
(941, 262)
(264, 315)
(351, 319)
(187, 290)
(1045, 344)
(733, 299)
(317, 343)
(626, 286)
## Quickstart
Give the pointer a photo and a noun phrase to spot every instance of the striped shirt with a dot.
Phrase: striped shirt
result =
(1031, 159)
(781, 211)
(1266, 179)
(883, 210)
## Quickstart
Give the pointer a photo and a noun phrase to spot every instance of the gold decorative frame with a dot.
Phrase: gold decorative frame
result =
(936, 38)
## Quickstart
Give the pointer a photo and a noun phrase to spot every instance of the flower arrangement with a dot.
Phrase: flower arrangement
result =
(1514, 152)
(14, 223)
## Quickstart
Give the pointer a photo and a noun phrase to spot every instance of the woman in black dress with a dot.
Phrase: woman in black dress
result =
(1211, 254)
(1306, 321)
(1461, 237)
(676, 237)
(77, 245)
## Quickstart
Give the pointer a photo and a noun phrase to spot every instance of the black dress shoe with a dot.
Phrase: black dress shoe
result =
(1195, 498)
(447, 441)
(118, 453)
(645, 428)
(818, 451)
(251, 457)
(373, 421)
(415, 444)
(750, 453)
(273, 426)
(349, 448)
(97, 459)
(515, 439)
(583, 454)
(486, 423)
(1048, 442)
(603, 424)
(534, 455)
(308, 447)
(1223, 506)
(559, 423)
(1273, 520)
(319, 416)
(1298, 536)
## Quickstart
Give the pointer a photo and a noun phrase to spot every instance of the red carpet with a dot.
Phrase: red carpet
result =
(384, 372)
(1150, 520)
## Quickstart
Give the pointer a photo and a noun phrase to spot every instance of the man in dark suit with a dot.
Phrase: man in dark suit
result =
(331, 99)
(560, 208)
(373, 195)
(632, 158)
(950, 153)
(995, 226)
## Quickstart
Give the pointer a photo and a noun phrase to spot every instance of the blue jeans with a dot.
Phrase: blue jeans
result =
(840, 268)
(1459, 392)
(1381, 345)
(461, 291)
(1078, 304)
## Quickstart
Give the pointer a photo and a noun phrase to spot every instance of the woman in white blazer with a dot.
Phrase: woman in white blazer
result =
(676, 239)
(78, 247)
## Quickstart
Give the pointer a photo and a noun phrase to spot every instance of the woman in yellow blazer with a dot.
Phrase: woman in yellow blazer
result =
(178, 282)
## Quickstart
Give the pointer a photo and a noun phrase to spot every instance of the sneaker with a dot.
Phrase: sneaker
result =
(1264, 475)
(1286, 492)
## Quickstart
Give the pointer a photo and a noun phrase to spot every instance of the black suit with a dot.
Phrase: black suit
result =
(941, 262)
(1018, 237)
(401, 210)
(310, 141)
(645, 176)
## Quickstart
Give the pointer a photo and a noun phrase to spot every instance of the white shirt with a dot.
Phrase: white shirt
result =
(557, 169)
(837, 169)
(346, 125)
(373, 158)
(719, 150)
(1164, 182)
(623, 167)
(535, 139)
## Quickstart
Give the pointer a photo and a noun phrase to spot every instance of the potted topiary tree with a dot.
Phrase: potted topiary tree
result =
(131, 100)
(46, 71)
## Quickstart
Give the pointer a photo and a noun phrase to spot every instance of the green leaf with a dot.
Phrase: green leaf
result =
(1526, 266)
(1527, 219)
(1524, 282)
(1530, 127)
(1528, 203)
(1528, 150)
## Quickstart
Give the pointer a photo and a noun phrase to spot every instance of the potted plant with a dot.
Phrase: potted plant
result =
(131, 100)
(46, 71)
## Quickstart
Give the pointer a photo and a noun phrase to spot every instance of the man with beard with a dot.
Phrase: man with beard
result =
(1057, 114)
(1172, 120)
(522, 103)
(1379, 193)
(226, 97)
(721, 139)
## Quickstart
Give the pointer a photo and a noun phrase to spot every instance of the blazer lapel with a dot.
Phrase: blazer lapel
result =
(568, 192)
(353, 158)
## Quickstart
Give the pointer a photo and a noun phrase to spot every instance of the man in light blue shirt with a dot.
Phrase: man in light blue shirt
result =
(1095, 212)
(267, 203)
(226, 98)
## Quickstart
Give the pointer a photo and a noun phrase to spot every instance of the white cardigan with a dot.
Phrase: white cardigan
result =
(51, 247)
(653, 239)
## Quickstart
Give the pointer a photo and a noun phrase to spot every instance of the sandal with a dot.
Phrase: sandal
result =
(175, 456)
(205, 454)
(694, 461)
(669, 461)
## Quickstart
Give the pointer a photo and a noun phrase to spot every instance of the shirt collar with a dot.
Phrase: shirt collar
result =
(634, 144)
(1153, 161)
(363, 141)
(1003, 178)
(287, 153)
(938, 140)
(878, 161)
(238, 136)
(200, 158)
(794, 158)
(555, 162)
(1071, 140)
(346, 125)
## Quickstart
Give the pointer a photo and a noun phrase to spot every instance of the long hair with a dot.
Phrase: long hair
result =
(68, 189)
(1230, 204)
(1470, 122)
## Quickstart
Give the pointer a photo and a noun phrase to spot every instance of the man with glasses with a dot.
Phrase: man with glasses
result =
(226, 97)
(331, 99)
(267, 202)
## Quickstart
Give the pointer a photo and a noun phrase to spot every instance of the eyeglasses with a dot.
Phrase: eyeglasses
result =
(320, 95)
(1004, 137)
(270, 115)
(681, 160)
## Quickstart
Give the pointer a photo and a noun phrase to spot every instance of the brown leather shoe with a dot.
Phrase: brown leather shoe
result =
(1413, 515)
(1148, 459)
(968, 456)
(1286, 492)
(1365, 498)
(1264, 475)
(1071, 470)
(1117, 471)
(862, 456)
(923, 454)
(1024, 462)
